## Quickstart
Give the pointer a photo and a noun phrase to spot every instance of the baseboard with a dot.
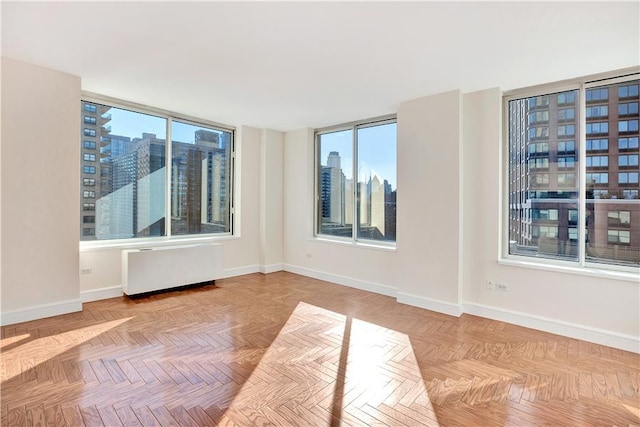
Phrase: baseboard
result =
(40, 312)
(342, 280)
(241, 271)
(266, 269)
(571, 330)
(100, 294)
(429, 304)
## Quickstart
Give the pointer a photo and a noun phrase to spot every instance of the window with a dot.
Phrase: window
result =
(597, 161)
(90, 120)
(539, 163)
(91, 145)
(628, 160)
(619, 218)
(597, 144)
(566, 146)
(628, 143)
(629, 109)
(565, 114)
(597, 128)
(539, 132)
(597, 111)
(566, 179)
(628, 126)
(596, 214)
(628, 178)
(566, 162)
(88, 231)
(594, 95)
(628, 91)
(539, 147)
(358, 206)
(566, 130)
(134, 180)
(597, 178)
(619, 236)
(537, 117)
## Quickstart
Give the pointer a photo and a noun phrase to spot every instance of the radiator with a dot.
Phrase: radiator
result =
(165, 267)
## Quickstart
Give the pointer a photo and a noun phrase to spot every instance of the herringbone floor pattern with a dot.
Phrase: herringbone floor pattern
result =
(282, 349)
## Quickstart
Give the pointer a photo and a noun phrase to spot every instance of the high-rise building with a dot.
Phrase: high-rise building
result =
(544, 174)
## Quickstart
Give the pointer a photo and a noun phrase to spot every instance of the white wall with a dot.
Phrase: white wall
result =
(271, 200)
(40, 191)
(428, 201)
(371, 269)
(593, 308)
(448, 221)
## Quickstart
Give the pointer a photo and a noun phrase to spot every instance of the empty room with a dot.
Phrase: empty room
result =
(320, 213)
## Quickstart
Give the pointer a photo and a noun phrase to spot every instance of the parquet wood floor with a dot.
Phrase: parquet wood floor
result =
(281, 349)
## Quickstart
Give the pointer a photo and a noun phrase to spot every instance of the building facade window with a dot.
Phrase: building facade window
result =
(594, 214)
(628, 109)
(90, 145)
(139, 167)
(597, 144)
(628, 143)
(356, 181)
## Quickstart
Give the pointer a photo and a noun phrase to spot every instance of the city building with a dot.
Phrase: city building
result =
(544, 173)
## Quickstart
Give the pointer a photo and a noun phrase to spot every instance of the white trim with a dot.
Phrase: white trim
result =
(429, 304)
(572, 269)
(266, 269)
(40, 312)
(566, 329)
(240, 271)
(342, 280)
(106, 245)
(100, 294)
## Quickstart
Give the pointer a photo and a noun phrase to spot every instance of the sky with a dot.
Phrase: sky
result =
(376, 144)
(376, 151)
(132, 124)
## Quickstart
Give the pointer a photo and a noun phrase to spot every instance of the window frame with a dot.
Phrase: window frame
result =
(353, 126)
(582, 265)
(168, 238)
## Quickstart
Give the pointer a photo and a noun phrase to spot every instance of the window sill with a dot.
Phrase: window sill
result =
(104, 245)
(349, 242)
(625, 276)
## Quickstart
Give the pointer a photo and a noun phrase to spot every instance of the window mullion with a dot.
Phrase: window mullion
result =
(356, 187)
(582, 194)
(168, 172)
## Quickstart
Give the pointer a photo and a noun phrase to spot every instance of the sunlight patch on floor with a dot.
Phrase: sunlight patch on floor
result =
(323, 365)
(32, 353)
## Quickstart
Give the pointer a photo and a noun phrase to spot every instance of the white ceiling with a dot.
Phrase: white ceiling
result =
(288, 65)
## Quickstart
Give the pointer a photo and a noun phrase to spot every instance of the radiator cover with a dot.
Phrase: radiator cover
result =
(165, 267)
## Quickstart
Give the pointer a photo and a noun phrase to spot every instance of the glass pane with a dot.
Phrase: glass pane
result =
(377, 182)
(200, 179)
(335, 180)
(127, 197)
(543, 177)
(613, 207)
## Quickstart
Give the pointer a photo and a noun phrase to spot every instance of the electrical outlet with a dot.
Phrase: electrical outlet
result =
(489, 285)
(501, 287)
(86, 271)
